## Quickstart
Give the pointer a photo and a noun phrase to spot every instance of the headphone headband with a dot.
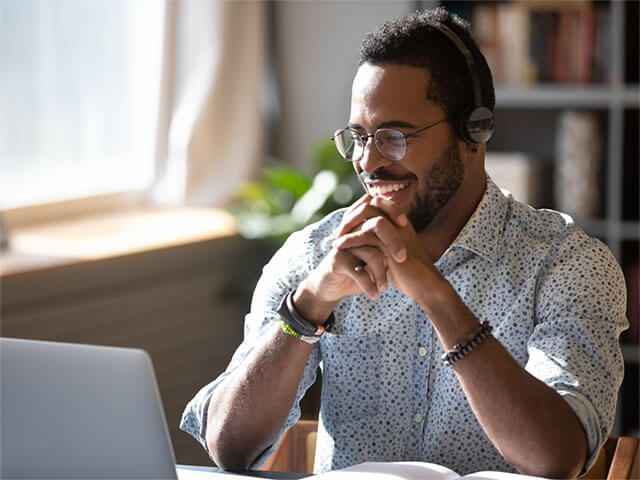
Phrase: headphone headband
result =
(471, 64)
(477, 123)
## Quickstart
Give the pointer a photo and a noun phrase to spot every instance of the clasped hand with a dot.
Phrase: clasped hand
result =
(376, 235)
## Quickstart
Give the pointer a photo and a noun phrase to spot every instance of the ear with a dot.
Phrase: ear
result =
(474, 154)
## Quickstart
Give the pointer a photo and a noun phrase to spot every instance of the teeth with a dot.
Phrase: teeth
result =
(382, 189)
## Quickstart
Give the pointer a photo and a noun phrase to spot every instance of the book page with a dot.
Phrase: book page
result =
(391, 471)
(499, 476)
(189, 474)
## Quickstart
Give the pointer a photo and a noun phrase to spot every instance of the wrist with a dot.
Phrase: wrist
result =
(313, 310)
(451, 318)
(436, 293)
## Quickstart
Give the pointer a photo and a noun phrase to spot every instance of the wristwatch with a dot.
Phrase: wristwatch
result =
(305, 330)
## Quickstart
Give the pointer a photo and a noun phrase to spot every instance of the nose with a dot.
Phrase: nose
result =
(372, 159)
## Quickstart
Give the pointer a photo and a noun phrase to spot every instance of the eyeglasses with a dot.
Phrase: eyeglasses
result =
(391, 143)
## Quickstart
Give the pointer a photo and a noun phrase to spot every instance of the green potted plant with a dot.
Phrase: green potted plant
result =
(284, 199)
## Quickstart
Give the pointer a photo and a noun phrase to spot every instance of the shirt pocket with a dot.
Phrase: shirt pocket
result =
(350, 376)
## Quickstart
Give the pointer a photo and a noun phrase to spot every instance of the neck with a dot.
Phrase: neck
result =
(449, 221)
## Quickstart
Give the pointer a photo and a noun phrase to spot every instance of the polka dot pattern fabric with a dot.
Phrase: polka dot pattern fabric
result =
(554, 296)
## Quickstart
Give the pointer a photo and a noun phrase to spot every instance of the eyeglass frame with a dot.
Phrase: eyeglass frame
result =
(365, 139)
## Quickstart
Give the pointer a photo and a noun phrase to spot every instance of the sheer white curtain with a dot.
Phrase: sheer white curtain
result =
(211, 122)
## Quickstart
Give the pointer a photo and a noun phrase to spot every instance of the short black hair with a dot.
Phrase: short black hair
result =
(412, 40)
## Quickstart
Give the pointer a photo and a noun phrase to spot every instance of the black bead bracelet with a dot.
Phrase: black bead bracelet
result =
(459, 350)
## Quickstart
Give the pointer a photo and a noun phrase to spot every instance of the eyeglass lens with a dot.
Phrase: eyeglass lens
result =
(390, 143)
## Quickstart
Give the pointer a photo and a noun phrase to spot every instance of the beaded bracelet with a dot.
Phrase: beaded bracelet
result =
(286, 328)
(473, 340)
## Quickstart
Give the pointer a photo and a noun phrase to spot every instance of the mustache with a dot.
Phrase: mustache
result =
(383, 177)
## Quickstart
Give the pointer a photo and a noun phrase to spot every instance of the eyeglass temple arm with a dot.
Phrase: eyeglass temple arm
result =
(424, 128)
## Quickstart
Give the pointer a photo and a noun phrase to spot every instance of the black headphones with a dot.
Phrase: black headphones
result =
(476, 123)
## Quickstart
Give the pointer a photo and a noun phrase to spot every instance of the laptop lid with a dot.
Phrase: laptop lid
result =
(80, 411)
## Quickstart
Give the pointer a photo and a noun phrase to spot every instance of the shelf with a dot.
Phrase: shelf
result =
(630, 230)
(559, 96)
(627, 230)
(595, 227)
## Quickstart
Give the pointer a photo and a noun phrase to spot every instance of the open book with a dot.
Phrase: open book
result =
(411, 471)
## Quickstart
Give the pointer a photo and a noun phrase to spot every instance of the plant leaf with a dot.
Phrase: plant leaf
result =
(327, 158)
(288, 179)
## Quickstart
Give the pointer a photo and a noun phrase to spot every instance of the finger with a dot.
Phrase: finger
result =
(391, 209)
(366, 198)
(358, 239)
(378, 232)
(353, 218)
(369, 209)
(347, 262)
(375, 265)
(358, 216)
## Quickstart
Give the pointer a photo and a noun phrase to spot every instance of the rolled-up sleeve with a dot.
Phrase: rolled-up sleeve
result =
(575, 345)
(288, 267)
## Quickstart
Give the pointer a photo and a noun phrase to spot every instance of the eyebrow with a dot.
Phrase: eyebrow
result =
(387, 124)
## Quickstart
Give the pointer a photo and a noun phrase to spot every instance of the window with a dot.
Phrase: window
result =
(79, 96)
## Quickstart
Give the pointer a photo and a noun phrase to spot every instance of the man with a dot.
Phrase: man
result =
(432, 256)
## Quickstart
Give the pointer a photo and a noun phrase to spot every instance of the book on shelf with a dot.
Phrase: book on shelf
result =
(411, 471)
(541, 42)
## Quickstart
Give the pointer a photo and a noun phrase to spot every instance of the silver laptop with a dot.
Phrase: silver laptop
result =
(80, 411)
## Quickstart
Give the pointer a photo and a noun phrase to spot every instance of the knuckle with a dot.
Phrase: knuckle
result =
(334, 264)
(377, 201)
(379, 222)
(368, 225)
(361, 209)
(367, 253)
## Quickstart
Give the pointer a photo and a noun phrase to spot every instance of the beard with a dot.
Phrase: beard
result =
(442, 183)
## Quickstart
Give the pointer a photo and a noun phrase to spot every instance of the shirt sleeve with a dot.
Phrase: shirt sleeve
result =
(575, 345)
(288, 267)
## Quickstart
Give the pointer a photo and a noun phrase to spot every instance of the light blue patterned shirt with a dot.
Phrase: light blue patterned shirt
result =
(555, 297)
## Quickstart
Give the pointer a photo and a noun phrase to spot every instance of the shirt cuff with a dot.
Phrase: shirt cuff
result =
(194, 417)
(588, 417)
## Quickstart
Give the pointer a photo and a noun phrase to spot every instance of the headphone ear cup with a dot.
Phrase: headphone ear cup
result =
(476, 125)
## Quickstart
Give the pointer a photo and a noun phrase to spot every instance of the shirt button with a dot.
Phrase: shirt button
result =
(422, 351)
(418, 418)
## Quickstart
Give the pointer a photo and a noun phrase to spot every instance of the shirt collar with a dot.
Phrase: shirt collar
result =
(482, 234)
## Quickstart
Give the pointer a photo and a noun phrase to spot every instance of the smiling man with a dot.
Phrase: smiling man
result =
(452, 323)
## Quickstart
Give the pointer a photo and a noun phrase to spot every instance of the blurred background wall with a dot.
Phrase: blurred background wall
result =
(316, 46)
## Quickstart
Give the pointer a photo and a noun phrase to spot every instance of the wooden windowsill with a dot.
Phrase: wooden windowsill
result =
(86, 239)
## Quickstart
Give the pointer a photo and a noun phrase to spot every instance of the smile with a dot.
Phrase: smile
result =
(379, 190)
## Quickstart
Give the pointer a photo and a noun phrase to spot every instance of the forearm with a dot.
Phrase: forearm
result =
(249, 407)
(528, 422)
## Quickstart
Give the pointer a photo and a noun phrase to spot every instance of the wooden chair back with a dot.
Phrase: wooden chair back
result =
(618, 460)
(296, 451)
